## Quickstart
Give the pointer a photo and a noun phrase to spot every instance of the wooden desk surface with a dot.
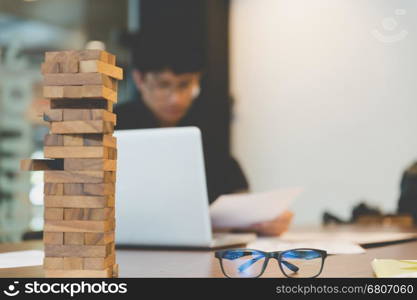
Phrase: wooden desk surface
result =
(175, 263)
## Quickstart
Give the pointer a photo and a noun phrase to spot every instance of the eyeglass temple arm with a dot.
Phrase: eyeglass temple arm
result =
(289, 265)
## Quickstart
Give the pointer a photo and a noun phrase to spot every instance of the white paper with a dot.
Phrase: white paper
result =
(406, 275)
(357, 237)
(279, 244)
(243, 210)
(21, 259)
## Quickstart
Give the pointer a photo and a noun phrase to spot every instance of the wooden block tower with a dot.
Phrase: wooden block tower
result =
(80, 169)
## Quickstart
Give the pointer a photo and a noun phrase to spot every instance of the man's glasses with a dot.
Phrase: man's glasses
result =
(166, 89)
(249, 263)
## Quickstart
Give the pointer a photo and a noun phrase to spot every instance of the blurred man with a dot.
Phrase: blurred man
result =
(167, 74)
(408, 197)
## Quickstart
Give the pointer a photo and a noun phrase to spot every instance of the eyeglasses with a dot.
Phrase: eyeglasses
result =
(166, 89)
(250, 263)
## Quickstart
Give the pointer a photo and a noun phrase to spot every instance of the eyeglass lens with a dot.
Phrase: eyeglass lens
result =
(242, 263)
(308, 263)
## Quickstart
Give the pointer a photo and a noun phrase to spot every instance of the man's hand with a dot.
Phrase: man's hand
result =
(274, 227)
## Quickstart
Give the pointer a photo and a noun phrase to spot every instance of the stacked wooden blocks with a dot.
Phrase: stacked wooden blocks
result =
(80, 173)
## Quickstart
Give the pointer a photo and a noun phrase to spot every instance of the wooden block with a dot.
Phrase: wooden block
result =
(107, 57)
(88, 115)
(106, 140)
(115, 271)
(53, 213)
(79, 201)
(78, 79)
(82, 127)
(97, 66)
(73, 238)
(98, 91)
(109, 176)
(60, 62)
(53, 238)
(100, 238)
(53, 115)
(100, 189)
(112, 153)
(73, 263)
(78, 226)
(77, 152)
(53, 263)
(73, 140)
(77, 250)
(107, 273)
(70, 65)
(53, 67)
(85, 91)
(50, 67)
(111, 201)
(90, 54)
(73, 189)
(56, 56)
(111, 59)
(83, 103)
(89, 189)
(79, 176)
(92, 164)
(54, 140)
(41, 164)
(62, 92)
(89, 214)
(67, 61)
(98, 263)
(109, 105)
(53, 189)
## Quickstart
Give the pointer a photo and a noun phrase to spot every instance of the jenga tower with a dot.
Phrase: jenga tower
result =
(80, 171)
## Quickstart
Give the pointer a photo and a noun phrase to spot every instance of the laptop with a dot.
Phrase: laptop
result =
(161, 191)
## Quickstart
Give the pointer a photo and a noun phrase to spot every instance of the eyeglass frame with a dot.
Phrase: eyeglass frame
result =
(155, 87)
(273, 254)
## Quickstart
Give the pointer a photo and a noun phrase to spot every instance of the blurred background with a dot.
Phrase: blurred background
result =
(323, 91)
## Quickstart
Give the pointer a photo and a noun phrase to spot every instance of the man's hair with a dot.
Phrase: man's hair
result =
(153, 52)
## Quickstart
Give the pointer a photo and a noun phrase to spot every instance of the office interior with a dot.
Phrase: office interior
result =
(322, 93)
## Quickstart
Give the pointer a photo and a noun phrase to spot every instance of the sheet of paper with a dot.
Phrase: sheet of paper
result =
(394, 268)
(279, 244)
(21, 259)
(242, 210)
(362, 238)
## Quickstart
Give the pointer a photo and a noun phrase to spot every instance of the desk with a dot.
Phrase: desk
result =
(175, 263)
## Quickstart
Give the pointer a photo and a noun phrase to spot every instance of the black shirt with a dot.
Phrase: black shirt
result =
(408, 197)
(223, 172)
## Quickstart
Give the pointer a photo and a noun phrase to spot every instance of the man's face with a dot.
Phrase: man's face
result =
(168, 95)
